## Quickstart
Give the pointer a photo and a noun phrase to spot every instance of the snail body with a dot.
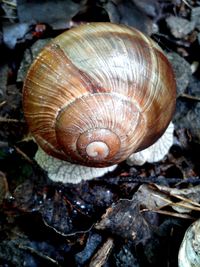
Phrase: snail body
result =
(98, 93)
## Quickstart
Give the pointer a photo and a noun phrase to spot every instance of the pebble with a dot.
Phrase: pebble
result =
(28, 58)
(180, 27)
(182, 71)
(195, 17)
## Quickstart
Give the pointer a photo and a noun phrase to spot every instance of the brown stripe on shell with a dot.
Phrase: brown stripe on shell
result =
(105, 73)
(94, 55)
(46, 91)
(92, 85)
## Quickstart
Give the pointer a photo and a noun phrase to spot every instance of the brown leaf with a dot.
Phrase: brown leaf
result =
(124, 219)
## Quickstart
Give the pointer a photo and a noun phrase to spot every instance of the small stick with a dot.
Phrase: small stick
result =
(100, 258)
(2, 103)
(23, 154)
(12, 4)
(192, 97)
(173, 214)
(2, 119)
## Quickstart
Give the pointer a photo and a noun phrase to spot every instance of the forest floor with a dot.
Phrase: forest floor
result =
(133, 216)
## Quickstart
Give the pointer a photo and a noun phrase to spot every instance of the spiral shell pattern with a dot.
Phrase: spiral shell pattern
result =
(97, 93)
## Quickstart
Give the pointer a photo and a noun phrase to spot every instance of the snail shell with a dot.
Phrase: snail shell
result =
(97, 93)
(189, 252)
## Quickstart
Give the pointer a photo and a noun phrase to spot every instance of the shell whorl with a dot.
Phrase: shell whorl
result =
(97, 93)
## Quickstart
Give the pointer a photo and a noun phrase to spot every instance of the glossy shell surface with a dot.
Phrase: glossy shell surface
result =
(189, 252)
(97, 93)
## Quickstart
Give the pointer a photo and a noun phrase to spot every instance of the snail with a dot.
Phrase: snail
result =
(95, 95)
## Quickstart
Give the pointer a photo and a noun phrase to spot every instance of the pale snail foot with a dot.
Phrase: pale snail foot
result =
(155, 152)
(189, 252)
(66, 172)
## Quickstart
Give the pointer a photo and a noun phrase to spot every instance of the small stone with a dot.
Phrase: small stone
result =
(12, 33)
(195, 17)
(93, 242)
(3, 187)
(29, 56)
(180, 27)
(182, 71)
(194, 85)
(49, 12)
(193, 121)
(187, 116)
(3, 80)
(126, 257)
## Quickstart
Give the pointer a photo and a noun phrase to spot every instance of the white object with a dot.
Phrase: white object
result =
(155, 152)
(66, 172)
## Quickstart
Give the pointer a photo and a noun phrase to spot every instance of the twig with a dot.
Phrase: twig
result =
(186, 3)
(152, 179)
(167, 192)
(102, 254)
(12, 4)
(2, 119)
(2, 103)
(39, 254)
(192, 97)
(171, 203)
(9, 17)
(173, 214)
(23, 154)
